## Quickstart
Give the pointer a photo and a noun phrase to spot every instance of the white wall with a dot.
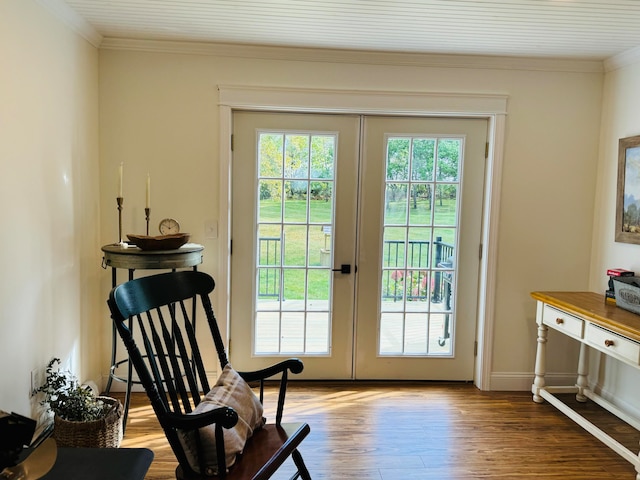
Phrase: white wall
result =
(620, 118)
(49, 287)
(159, 114)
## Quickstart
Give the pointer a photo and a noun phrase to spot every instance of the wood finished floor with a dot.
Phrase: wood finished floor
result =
(425, 431)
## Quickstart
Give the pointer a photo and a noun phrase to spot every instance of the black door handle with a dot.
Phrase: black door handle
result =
(344, 268)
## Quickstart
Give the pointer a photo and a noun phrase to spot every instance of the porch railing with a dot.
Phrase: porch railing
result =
(269, 262)
(414, 280)
(397, 281)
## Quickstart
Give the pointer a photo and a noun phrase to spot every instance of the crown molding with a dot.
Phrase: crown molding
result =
(75, 22)
(624, 59)
(355, 56)
(361, 101)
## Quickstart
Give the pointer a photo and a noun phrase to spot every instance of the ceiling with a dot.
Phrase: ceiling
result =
(577, 29)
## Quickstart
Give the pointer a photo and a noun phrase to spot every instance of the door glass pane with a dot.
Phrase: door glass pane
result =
(270, 206)
(421, 204)
(395, 204)
(271, 155)
(422, 163)
(419, 242)
(296, 159)
(295, 245)
(292, 333)
(321, 196)
(322, 155)
(448, 165)
(317, 334)
(269, 261)
(295, 221)
(391, 333)
(295, 201)
(445, 210)
(398, 159)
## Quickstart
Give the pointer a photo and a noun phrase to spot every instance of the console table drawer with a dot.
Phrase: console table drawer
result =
(613, 344)
(559, 320)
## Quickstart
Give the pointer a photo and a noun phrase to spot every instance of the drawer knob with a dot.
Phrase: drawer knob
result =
(559, 321)
(609, 343)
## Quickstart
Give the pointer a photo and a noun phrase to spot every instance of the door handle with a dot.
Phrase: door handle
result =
(344, 268)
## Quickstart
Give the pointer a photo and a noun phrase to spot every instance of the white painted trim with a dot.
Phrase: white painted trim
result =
(522, 381)
(223, 290)
(361, 57)
(488, 266)
(361, 101)
(75, 22)
(630, 409)
(492, 107)
(624, 59)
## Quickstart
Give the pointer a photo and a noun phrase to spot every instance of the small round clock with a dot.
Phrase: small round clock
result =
(169, 226)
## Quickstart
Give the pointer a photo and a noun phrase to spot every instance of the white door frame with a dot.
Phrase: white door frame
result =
(489, 106)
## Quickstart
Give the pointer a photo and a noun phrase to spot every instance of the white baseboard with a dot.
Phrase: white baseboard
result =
(522, 381)
(516, 382)
(500, 381)
(624, 404)
(122, 387)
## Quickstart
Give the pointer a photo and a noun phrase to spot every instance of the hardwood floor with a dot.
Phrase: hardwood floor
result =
(439, 431)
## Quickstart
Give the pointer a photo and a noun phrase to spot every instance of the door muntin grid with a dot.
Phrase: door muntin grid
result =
(420, 237)
(296, 185)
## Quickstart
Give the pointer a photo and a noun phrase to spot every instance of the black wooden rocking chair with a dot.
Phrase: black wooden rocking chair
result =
(162, 309)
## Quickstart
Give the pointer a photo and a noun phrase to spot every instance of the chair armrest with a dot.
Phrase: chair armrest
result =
(224, 416)
(294, 365)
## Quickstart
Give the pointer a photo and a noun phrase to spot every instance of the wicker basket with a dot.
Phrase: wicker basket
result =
(104, 433)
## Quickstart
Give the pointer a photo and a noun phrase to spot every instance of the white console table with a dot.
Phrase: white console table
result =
(613, 331)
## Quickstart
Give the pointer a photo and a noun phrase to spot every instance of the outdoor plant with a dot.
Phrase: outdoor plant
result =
(397, 290)
(65, 397)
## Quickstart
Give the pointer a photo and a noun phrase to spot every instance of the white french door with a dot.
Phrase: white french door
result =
(355, 244)
(419, 241)
(294, 193)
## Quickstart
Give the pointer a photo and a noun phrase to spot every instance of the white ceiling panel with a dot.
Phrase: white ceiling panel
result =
(580, 29)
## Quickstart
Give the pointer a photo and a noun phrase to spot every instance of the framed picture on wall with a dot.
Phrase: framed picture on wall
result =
(628, 201)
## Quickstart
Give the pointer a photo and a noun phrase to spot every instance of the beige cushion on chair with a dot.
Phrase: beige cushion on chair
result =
(229, 391)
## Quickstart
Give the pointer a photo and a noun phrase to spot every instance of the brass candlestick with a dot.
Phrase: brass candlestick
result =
(147, 215)
(120, 201)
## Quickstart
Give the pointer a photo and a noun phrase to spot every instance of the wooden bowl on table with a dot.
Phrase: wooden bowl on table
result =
(161, 242)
